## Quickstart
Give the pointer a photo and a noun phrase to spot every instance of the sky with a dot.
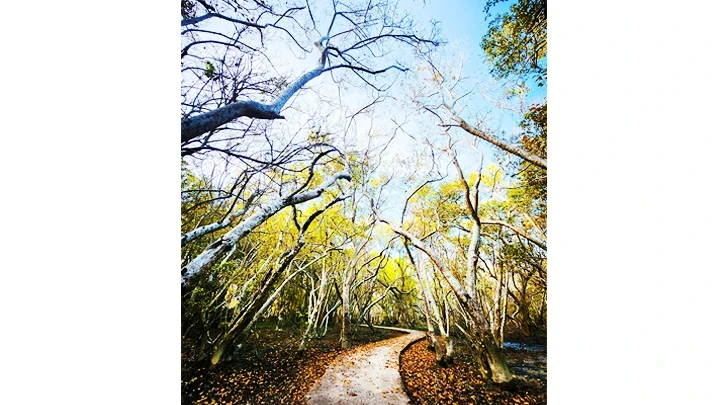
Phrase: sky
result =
(462, 25)
(657, 124)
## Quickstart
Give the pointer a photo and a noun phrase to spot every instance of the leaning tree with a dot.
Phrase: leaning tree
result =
(460, 249)
(231, 93)
(225, 50)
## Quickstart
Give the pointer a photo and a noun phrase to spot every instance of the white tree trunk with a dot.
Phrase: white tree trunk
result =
(204, 230)
(492, 362)
(213, 252)
(432, 341)
(200, 124)
(345, 325)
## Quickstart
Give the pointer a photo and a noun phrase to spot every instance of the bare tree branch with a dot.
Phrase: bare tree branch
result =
(534, 159)
(213, 252)
(525, 235)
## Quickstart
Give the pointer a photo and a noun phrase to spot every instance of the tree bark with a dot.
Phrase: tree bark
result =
(539, 243)
(492, 361)
(260, 301)
(534, 159)
(250, 312)
(198, 125)
(432, 341)
(345, 325)
(204, 230)
(314, 308)
(213, 252)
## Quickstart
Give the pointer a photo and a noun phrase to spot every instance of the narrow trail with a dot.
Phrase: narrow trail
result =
(367, 375)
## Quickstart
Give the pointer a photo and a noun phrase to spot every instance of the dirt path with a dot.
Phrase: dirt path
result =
(366, 375)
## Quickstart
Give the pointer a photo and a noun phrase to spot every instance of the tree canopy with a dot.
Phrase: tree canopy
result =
(341, 168)
(516, 41)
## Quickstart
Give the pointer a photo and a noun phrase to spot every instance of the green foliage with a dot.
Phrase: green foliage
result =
(317, 136)
(209, 70)
(198, 204)
(532, 193)
(516, 42)
(392, 270)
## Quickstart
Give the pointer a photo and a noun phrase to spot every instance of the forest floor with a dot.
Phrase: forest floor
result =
(427, 383)
(271, 372)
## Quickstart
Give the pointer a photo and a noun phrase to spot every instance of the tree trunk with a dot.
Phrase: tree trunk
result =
(260, 302)
(345, 327)
(213, 252)
(529, 157)
(497, 311)
(369, 324)
(193, 127)
(432, 341)
(503, 313)
(250, 313)
(492, 362)
(439, 356)
(449, 349)
(526, 320)
(543, 310)
(326, 318)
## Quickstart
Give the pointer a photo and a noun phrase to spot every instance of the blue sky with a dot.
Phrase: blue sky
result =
(463, 21)
(462, 24)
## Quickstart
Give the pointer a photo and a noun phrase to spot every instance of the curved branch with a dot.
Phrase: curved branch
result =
(362, 69)
(204, 230)
(213, 252)
(195, 20)
(525, 235)
(195, 126)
